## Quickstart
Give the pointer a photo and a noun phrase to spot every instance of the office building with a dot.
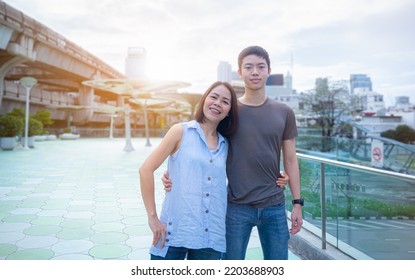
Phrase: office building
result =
(361, 81)
(135, 63)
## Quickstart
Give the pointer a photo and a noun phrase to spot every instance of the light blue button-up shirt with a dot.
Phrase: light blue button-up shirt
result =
(194, 210)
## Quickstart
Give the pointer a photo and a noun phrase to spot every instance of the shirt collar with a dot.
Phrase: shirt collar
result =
(194, 124)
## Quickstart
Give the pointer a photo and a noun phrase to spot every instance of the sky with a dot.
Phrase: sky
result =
(186, 39)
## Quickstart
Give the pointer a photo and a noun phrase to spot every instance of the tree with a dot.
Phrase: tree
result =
(328, 108)
(403, 133)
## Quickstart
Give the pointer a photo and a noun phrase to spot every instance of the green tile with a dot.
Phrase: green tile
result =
(7, 249)
(8, 205)
(104, 199)
(107, 217)
(44, 189)
(111, 204)
(78, 208)
(36, 199)
(131, 212)
(77, 223)
(83, 197)
(3, 215)
(19, 218)
(106, 210)
(104, 227)
(72, 234)
(135, 221)
(19, 193)
(54, 206)
(32, 254)
(31, 204)
(138, 230)
(108, 237)
(43, 230)
(110, 251)
(45, 220)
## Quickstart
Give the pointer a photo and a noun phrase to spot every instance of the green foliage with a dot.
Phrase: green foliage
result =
(402, 133)
(17, 112)
(15, 121)
(44, 117)
(35, 127)
(10, 126)
(67, 130)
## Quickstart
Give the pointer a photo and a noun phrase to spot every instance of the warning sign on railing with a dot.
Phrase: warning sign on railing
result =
(377, 153)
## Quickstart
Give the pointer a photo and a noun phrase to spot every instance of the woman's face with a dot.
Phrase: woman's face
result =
(217, 104)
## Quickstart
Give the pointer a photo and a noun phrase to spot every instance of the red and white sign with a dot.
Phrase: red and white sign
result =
(377, 153)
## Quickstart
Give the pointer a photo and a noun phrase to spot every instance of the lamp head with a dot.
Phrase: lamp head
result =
(28, 82)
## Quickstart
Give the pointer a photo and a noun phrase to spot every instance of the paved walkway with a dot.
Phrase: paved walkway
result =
(79, 200)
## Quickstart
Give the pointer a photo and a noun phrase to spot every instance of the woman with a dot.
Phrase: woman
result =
(192, 220)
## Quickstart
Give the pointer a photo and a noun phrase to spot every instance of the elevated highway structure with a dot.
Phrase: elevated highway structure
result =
(29, 48)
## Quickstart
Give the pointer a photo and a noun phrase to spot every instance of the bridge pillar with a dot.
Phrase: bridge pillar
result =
(86, 98)
(4, 69)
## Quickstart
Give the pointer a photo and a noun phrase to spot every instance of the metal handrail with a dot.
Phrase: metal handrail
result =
(323, 162)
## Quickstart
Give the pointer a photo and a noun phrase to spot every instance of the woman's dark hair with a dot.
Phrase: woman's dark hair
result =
(229, 124)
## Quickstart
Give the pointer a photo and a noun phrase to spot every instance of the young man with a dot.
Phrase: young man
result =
(266, 128)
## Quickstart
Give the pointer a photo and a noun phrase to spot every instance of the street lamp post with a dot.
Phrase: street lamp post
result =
(148, 144)
(112, 125)
(128, 144)
(28, 83)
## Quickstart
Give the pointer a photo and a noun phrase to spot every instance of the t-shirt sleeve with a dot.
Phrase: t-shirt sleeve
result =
(290, 130)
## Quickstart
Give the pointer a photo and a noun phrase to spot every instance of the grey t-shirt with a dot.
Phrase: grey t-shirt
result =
(253, 163)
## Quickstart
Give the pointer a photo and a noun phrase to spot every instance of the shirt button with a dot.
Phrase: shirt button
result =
(207, 194)
(168, 232)
(169, 223)
(206, 230)
(207, 211)
(208, 178)
(210, 161)
(167, 240)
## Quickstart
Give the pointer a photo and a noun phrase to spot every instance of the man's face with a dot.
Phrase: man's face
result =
(254, 72)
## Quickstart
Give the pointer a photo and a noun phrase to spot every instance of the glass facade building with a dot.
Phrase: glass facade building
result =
(360, 81)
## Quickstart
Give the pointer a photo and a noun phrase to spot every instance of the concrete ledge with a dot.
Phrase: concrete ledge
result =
(308, 247)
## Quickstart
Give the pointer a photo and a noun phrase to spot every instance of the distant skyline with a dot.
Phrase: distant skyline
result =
(186, 39)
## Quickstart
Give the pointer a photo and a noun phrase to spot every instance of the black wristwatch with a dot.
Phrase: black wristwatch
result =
(298, 201)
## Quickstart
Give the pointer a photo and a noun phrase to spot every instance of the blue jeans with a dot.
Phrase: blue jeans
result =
(272, 229)
(180, 253)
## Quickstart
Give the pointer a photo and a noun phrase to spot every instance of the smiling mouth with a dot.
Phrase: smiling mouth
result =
(215, 111)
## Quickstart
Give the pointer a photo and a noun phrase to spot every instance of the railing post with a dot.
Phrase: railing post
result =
(323, 205)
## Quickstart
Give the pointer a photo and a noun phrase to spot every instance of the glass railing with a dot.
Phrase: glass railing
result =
(398, 157)
(365, 212)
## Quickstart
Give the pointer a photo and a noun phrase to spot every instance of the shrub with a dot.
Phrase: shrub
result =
(10, 126)
(44, 117)
(35, 127)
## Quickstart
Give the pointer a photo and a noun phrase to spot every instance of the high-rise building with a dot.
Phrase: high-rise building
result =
(361, 81)
(224, 72)
(135, 63)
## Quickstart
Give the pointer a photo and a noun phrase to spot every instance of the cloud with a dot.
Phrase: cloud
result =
(186, 39)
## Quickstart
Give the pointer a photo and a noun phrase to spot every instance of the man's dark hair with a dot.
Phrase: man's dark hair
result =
(256, 50)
